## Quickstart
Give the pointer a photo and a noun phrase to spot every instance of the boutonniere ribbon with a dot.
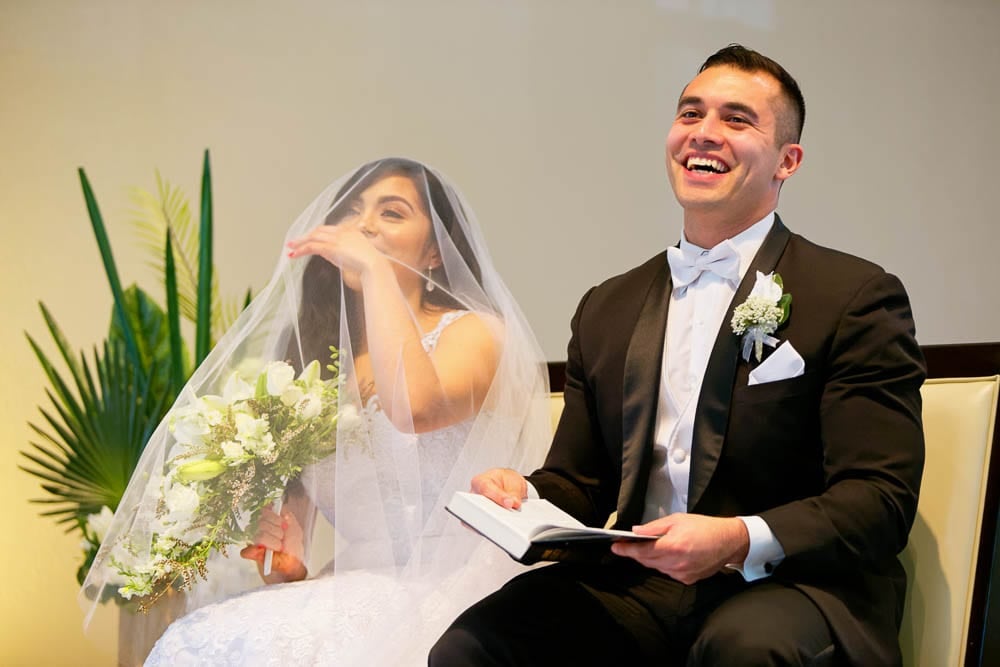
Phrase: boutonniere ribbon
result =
(761, 314)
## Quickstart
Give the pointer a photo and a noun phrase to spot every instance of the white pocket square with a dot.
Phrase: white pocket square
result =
(784, 363)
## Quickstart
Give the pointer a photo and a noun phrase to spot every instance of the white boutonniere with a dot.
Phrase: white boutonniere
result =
(761, 314)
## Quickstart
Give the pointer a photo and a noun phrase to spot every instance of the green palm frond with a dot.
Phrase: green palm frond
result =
(107, 257)
(152, 332)
(177, 373)
(206, 271)
(101, 418)
(152, 216)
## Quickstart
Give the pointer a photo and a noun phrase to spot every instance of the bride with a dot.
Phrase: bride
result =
(439, 377)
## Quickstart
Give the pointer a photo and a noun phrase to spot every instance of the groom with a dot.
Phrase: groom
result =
(779, 460)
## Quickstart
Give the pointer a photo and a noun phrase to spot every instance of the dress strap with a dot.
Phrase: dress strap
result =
(430, 339)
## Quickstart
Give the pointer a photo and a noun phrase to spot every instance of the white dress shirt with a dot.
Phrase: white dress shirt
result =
(694, 321)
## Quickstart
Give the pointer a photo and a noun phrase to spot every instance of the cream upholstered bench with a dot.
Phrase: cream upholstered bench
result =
(950, 552)
(942, 556)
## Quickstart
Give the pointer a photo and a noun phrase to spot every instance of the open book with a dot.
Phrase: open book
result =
(537, 531)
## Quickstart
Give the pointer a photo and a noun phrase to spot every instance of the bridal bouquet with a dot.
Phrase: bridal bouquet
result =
(233, 455)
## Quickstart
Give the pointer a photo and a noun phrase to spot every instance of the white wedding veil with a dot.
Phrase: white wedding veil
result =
(381, 494)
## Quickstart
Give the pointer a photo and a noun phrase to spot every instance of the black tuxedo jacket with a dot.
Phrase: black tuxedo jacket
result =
(831, 460)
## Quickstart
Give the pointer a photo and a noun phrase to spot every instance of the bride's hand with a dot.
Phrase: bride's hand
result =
(345, 246)
(283, 535)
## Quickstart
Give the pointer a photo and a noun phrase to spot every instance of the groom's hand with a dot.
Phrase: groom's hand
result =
(503, 486)
(692, 547)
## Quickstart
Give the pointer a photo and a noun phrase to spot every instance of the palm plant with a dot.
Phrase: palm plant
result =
(105, 409)
(163, 214)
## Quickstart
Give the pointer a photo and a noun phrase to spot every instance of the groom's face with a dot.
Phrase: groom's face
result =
(723, 156)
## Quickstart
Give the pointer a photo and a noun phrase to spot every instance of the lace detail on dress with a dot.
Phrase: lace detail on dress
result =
(430, 339)
(329, 620)
(304, 623)
(429, 342)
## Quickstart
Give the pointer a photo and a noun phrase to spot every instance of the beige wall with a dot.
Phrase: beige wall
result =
(550, 115)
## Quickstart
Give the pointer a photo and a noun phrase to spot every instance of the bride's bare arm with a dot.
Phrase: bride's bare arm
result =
(442, 387)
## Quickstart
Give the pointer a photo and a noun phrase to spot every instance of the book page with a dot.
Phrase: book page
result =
(590, 535)
(533, 516)
(539, 514)
(537, 522)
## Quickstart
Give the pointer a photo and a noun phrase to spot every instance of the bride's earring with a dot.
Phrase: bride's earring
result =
(430, 282)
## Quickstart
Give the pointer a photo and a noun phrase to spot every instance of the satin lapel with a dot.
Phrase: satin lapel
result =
(640, 391)
(712, 414)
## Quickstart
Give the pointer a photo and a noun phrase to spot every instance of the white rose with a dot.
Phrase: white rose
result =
(279, 376)
(188, 425)
(182, 502)
(249, 428)
(254, 434)
(212, 409)
(292, 395)
(265, 445)
(348, 418)
(310, 406)
(233, 450)
(249, 367)
(99, 523)
(192, 422)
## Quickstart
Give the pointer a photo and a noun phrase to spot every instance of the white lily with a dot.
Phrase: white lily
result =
(310, 374)
(236, 389)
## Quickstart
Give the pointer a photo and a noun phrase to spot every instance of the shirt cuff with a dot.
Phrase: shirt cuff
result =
(765, 552)
(532, 491)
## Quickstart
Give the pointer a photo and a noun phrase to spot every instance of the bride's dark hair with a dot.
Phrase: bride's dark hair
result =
(319, 312)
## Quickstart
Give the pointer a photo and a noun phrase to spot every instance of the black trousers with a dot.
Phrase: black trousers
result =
(625, 614)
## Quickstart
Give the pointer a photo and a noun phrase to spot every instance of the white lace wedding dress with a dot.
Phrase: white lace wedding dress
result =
(347, 618)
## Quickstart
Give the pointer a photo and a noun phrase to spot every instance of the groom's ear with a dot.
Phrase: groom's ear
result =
(791, 160)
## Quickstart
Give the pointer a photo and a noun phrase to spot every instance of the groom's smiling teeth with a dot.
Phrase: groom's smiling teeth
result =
(706, 164)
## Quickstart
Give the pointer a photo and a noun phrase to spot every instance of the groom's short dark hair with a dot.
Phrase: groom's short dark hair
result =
(791, 122)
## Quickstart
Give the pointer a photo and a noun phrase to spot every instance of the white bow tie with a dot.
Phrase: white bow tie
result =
(722, 260)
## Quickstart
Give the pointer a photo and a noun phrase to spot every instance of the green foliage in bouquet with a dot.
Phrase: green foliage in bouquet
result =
(233, 454)
(105, 408)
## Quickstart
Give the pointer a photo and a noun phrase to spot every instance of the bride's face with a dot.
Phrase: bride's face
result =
(391, 215)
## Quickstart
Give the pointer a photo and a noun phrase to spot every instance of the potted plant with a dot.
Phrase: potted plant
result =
(103, 408)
